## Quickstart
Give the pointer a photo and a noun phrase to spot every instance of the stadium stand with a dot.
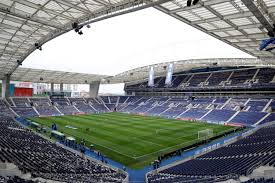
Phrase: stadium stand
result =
(249, 78)
(82, 105)
(237, 110)
(269, 118)
(228, 162)
(248, 117)
(105, 99)
(260, 180)
(46, 110)
(41, 158)
(217, 78)
(123, 99)
(225, 163)
(21, 102)
(40, 101)
(218, 115)
(198, 79)
(100, 107)
(60, 101)
(24, 111)
(265, 76)
(15, 179)
(4, 110)
(67, 109)
(242, 110)
(240, 77)
(64, 106)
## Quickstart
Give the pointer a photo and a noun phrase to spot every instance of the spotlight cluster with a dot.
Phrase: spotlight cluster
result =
(190, 2)
(77, 28)
(19, 62)
(38, 46)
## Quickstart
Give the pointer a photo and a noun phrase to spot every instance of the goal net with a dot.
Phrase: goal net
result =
(205, 134)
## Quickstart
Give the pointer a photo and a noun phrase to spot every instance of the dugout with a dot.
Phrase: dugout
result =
(58, 135)
(70, 141)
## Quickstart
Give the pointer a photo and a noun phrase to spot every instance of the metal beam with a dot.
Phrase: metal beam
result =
(227, 17)
(6, 9)
(36, 6)
(27, 32)
(258, 14)
(250, 36)
(206, 3)
(160, 8)
(66, 3)
(238, 28)
(120, 9)
(2, 51)
(104, 13)
(13, 41)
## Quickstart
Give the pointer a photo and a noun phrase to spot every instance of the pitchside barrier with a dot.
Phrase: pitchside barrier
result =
(79, 113)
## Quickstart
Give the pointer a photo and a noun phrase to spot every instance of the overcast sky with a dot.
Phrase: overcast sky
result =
(128, 41)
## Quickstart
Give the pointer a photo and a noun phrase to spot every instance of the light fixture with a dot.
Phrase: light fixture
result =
(37, 46)
(195, 2)
(80, 32)
(77, 28)
(189, 2)
(19, 62)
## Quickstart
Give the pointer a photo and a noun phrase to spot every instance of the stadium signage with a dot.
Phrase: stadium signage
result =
(216, 145)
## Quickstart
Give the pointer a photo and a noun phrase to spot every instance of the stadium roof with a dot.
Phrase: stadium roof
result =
(26, 22)
(142, 73)
(240, 23)
(49, 76)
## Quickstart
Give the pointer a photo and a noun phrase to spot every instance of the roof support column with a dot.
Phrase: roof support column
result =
(93, 89)
(61, 87)
(52, 87)
(6, 86)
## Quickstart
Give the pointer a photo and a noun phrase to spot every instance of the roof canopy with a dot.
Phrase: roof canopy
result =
(49, 76)
(240, 23)
(23, 23)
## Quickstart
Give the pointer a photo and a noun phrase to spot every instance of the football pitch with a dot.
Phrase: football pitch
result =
(132, 140)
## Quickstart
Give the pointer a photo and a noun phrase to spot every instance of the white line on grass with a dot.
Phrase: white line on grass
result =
(149, 142)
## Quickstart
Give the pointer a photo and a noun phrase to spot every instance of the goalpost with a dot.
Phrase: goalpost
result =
(205, 134)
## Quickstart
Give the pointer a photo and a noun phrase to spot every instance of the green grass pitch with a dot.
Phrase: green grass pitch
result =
(132, 140)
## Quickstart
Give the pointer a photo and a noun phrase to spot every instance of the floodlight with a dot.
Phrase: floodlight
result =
(19, 62)
(189, 2)
(195, 2)
(37, 46)
(74, 25)
(270, 34)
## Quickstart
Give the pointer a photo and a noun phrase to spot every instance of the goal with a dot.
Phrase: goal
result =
(205, 134)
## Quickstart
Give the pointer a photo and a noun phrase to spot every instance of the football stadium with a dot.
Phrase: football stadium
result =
(192, 120)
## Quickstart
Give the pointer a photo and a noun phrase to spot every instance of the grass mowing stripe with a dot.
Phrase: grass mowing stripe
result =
(132, 140)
